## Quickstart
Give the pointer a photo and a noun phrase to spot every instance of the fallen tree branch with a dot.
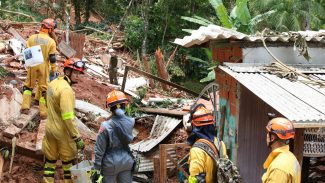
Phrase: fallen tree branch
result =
(18, 13)
(96, 30)
(171, 58)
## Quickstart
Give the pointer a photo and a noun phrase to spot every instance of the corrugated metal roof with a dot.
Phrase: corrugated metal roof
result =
(300, 102)
(161, 129)
(146, 162)
(215, 32)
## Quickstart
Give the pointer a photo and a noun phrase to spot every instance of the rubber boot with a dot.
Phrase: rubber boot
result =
(42, 108)
(49, 171)
(27, 99)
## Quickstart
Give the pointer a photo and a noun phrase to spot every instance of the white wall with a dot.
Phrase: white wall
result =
(285, 54)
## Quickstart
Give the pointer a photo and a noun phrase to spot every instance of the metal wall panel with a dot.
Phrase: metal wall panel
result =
(252, 149)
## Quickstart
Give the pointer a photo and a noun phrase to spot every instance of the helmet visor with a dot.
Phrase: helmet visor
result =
(79, 65)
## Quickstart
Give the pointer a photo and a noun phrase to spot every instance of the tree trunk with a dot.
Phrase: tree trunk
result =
(77, 13)
(145, 16)
(89, 6)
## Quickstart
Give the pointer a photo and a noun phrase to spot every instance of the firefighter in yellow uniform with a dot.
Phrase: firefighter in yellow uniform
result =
(202, 167)
(281, 165)
(40, 73)
(62, 139)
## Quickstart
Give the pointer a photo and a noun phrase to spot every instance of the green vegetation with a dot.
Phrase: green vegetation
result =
(149, 24)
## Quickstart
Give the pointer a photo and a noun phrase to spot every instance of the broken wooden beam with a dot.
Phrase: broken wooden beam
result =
(2, 161)
(127, 68)
(23, 148)
(161, 68)
(162, 111)
(40, 136)
(20, 123)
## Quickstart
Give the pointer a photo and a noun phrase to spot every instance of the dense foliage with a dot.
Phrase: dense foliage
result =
(149, 24)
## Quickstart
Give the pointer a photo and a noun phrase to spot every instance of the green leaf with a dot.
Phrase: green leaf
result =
(203, 19)
(195, 20)
(210, 77)
(240, 12)
(197, 60)
(259, 18)
(221, 13)
(188, 30)
(208, 53)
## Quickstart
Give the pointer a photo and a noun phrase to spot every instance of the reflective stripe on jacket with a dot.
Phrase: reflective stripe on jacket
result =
(60, 103)
(282, 167)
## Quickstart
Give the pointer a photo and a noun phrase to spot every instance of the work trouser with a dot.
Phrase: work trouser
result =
(58, 145)
(39, 73)
(122, 177)
(49, 171)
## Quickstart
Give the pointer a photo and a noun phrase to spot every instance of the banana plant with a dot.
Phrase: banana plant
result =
(208, 64)
(239, 18)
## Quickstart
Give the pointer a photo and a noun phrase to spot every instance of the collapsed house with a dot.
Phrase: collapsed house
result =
(250, 87)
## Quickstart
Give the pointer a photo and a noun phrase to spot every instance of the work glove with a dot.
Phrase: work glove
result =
(80, 143)
(95, 176)
(53, 75)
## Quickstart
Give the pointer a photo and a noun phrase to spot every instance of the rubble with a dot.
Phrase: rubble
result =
(91, 91)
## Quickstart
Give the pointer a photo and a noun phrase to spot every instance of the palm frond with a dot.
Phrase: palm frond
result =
(241, 12)
(195, 20)
(203, 19)
(261, 17)
(188, 30)
(197, 60)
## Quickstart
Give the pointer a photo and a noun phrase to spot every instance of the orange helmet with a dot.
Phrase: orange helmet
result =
(202, 116)
(282, 127)
(115, 97)
(49, 23)
(75, 63)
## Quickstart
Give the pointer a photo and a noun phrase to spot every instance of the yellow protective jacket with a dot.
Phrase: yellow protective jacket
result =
(282, 167)
(47, 44)
(60, 103)
(201, 162)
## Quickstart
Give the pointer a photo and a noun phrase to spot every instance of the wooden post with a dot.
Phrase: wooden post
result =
(77, 43)
(298, 148)
(163, 164)
(148, 70)
(40, 136)
(156, 169)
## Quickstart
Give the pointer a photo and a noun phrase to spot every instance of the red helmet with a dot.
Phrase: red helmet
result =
(115, 97)
(49, 23)
(281, 127)
(202, 116)
(75, 63)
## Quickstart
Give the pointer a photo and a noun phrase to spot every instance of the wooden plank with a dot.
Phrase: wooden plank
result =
(156, 169)
(17, 35)
(21, 148)
(2, 161)
(298, 148)
(77, 42)
(162, 111)
(40, 136)
(66, 50)
(163, 163)
(127, 68)
(20, 123)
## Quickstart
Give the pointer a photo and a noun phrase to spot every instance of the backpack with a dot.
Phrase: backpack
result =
(227, 171)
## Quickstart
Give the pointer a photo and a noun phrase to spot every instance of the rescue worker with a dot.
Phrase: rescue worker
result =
(113, 157)
(281, 165)
(40, 72)
(202, 167)
(62, 139)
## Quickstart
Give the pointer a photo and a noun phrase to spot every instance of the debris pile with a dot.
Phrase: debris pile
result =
(158, 113)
